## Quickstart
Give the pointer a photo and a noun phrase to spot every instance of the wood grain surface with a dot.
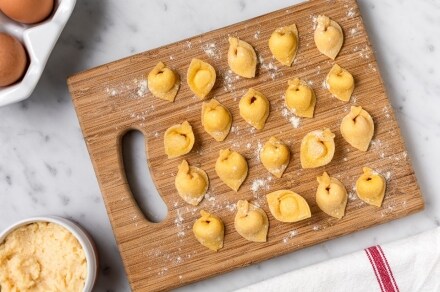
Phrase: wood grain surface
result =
(111, 100)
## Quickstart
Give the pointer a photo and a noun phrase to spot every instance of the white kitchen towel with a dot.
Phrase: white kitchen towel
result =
(412, 264)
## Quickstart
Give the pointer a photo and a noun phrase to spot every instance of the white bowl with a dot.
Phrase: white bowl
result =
(83, 238)
(39, 40)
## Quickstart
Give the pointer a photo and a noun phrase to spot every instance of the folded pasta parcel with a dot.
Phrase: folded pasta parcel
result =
(317, 148)
(163, 82)
(283, 44)
(178, 140)
(242, 58)
(201, 78)
(232, 168)
(191, 183)
(216, 119)
(251, 222)
(331, 196)
(328, 36)
(288, 206)
(209, 230)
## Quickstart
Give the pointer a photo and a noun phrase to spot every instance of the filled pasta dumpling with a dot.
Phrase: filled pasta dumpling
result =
(300, 98)
(251, 222)
(178, 140)
(283, 43)
(275, 156)
(254, 108)
(331, 196)
(209, 230)
(340, 83)
(242, 59)
(370, 187)
(216, 119)
(357, 128)
(328, 36)
(163, 82)
(317, 148)
(288, 206)
(232, 168)
(201, 78)
(191, 183)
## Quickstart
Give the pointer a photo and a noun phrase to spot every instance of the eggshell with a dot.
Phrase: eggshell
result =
(27, 11)
(13, 60)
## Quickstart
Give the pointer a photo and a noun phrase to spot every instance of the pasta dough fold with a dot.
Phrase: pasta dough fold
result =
(340, 83)
(251, 222)
(275, 156)
(163, 82)
(370, 187)
(209, 230)
(317, 148)
(191, 183)
(300, 98)
(242, 59)
(328, 36)
(288, 206)
(283, 43)
(254, 108)
(201, 78)
(357, 128)
(232, 168)
(216, 119)
(178, 140)
(331, 196)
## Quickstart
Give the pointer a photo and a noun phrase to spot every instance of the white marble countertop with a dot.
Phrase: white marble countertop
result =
(44, 164)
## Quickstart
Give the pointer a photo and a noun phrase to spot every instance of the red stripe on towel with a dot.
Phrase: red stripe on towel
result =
(388, 267)
(382, 269)
(375, 270)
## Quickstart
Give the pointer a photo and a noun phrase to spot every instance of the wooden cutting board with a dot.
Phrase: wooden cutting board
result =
(112, 99)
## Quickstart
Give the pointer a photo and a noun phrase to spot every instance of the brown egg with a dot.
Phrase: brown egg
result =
(13, 60)
(27, 11)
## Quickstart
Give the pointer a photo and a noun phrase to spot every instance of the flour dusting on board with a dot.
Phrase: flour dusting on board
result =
(258, 150)
(289, 236)
(364, 52)
(387, 175)
(179, 224)
(163, 271)
(228, 81)
(289, 116)
(136, 89)
(235, 130)
(314, 19)
(376, 144)
(352, 196)
(351, 12)
(231, 207)
(270, 67)
(111, 91)
(142, 88)
(260, 184)
(209, 197)
(372, 67)
(212, 51)
(386, 112)
(257, 35)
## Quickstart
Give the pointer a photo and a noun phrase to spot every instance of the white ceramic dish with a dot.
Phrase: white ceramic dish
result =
(39, 40)
(84, 239)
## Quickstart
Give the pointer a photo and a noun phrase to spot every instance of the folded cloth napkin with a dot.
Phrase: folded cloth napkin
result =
(412, 264)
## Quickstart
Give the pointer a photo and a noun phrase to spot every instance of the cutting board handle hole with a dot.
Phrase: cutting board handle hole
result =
(139, 178)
